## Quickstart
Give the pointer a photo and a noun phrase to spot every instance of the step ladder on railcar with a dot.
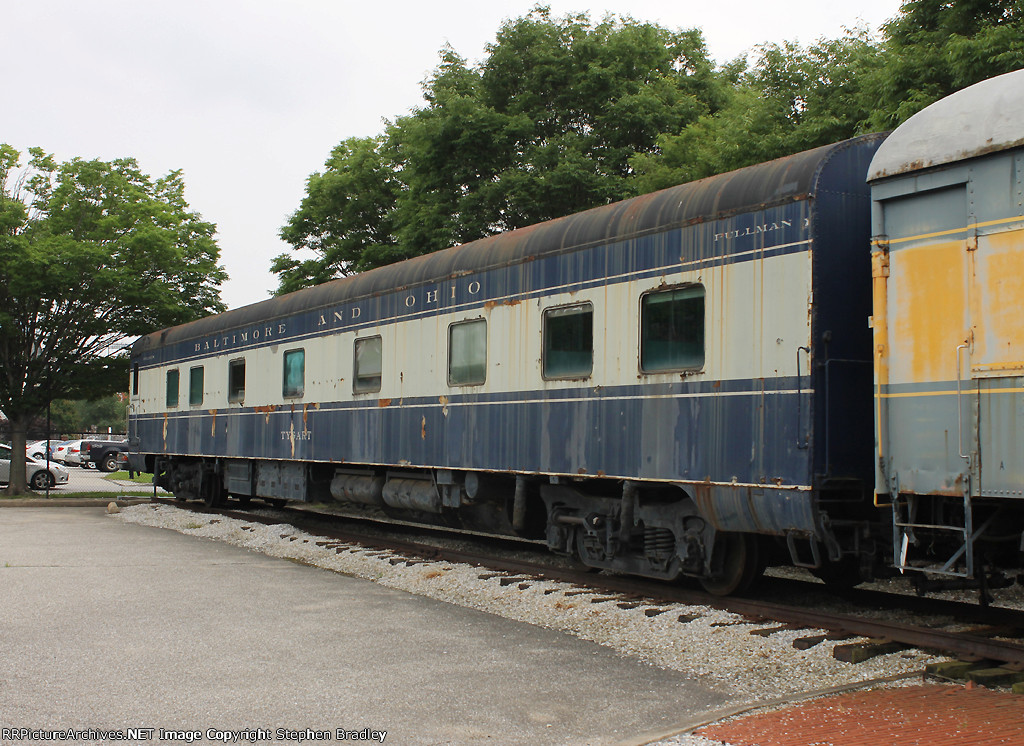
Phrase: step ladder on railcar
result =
(906, 527)
(910, 513)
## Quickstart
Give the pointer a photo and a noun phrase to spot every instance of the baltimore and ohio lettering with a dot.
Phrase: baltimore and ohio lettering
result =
(410, 301)
(279, 331)
(243, 337)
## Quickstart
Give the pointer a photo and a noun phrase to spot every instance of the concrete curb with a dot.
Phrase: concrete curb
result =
(70, 502)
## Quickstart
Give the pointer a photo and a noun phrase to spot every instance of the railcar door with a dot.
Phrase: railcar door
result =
(921, 323)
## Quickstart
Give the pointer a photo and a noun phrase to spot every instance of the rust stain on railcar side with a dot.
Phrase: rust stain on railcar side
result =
(928, 309)
(266, 411)
(213, 422)
(495, 303)
(383, 402)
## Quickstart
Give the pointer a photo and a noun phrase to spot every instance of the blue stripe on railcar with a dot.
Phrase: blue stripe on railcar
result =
(671, 432)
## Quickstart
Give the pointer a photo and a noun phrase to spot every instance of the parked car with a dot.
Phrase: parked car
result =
(37, 450)
(73, 455)
(61, 450)
(102, 453)
(36, 472)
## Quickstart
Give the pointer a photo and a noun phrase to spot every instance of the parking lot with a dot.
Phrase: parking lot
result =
(111, 626)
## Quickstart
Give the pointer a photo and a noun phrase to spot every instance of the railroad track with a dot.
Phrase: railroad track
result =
(981, 643)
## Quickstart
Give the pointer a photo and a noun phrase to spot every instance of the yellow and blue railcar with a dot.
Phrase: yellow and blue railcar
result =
(947, 191)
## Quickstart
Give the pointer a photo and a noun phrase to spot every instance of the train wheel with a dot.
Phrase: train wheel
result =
(214, 495)
(213, 500)
(737, 563)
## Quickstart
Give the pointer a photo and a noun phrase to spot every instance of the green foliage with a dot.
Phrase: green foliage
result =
(792, 99)
(90, 415)
(346, 218)
(91, 253)
(564, 114)
(935, 47)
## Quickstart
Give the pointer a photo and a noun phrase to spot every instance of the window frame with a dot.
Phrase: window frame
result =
(287, 393)
(233, 397)
(191, 384)
(168, 403)
(647, 371)
(554, 310)
(356, 388)
(451, 327)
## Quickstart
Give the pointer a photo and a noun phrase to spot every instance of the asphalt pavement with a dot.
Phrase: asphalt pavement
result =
(109, 625)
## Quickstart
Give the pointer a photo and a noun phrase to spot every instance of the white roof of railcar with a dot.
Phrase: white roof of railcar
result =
(983, 118)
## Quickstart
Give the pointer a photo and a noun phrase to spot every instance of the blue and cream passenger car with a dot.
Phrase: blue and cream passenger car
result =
(650, 385)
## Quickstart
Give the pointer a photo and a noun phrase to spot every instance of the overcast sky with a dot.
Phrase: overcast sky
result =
(248, 97)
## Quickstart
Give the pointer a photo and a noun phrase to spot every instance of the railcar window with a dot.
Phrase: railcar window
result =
(173, 384)
(569, 341)
(135, 379)
(294, 373)
(195, 386)
(467, 353)
(672, 329)
(236, 380)
(369, 362)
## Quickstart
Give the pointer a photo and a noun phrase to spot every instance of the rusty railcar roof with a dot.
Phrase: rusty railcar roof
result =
(763, 185)
(983, 118)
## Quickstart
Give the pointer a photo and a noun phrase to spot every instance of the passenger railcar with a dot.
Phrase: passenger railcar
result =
(649, 385)
(947, 190)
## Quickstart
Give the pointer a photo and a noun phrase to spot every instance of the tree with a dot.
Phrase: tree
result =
(933, 48)
(792, 99)
(92, 253)
(346, 219)
(544, 126)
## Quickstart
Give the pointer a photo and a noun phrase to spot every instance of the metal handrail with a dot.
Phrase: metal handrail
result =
(959, 406)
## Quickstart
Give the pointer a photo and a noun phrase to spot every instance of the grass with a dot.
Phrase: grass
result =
(122, 476)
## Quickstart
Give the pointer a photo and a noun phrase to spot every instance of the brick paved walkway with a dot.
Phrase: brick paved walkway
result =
(930, 715)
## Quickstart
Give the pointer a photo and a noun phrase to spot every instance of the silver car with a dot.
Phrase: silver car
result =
(73, 454)
(37, 450)
(35, 471)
